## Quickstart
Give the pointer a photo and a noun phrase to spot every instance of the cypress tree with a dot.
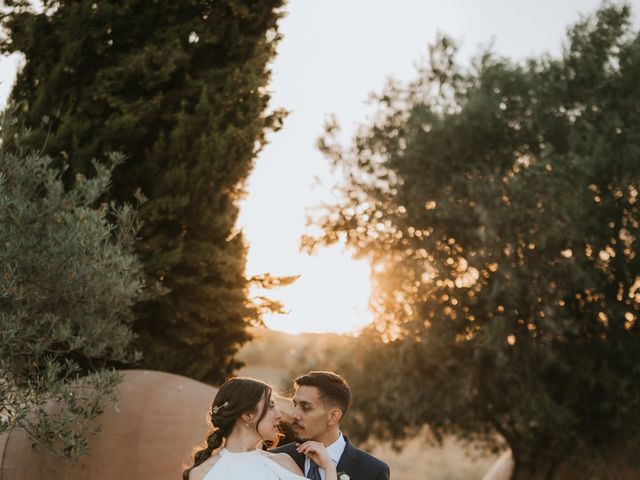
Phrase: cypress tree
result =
(179, 88)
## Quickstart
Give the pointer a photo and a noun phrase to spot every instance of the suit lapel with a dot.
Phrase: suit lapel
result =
(348, 461)
(298, 458)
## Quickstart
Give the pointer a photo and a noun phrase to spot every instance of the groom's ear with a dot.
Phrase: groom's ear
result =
(335, 415)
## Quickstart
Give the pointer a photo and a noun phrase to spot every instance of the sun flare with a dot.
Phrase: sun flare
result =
(331, 295)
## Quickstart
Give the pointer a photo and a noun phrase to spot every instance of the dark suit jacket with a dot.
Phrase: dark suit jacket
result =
(354, 462)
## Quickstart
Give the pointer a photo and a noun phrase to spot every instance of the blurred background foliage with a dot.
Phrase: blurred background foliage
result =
(498, 207)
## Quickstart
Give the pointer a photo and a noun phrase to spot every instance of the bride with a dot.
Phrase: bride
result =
(243, 416)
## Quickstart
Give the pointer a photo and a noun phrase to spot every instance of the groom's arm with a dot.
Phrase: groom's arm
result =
(373, 469)
(384, 473)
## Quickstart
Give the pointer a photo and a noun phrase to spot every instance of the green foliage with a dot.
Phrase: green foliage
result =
(68, 281)
(499, 207)
(179, 88)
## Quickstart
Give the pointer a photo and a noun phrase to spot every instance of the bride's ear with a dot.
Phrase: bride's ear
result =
(247, 417)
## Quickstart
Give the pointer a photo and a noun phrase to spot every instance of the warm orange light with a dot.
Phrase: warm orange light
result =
(331, 295)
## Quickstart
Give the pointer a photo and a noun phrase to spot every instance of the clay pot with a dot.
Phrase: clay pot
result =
(161, 418)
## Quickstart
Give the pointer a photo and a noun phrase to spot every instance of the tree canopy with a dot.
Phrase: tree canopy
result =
(498, 205)
(179, 88)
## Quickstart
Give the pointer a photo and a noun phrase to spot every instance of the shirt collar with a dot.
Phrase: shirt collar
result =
(336, 449)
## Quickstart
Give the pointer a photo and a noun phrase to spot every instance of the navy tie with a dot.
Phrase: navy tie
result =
(313, 473)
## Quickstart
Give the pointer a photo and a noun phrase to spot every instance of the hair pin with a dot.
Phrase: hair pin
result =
(217, 408)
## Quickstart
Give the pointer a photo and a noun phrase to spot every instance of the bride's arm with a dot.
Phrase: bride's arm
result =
(318, 453)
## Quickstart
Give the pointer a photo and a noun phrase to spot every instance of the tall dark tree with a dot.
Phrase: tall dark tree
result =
(179, 88)
(499, 206)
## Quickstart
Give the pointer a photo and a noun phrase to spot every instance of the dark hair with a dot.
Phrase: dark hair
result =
(331, 386)
(235, 397)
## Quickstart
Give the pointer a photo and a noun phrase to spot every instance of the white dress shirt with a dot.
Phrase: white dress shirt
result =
(334, 450)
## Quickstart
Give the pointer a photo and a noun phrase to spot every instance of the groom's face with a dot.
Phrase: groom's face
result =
(310, 415)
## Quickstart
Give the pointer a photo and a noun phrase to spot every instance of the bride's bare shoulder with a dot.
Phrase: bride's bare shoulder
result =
(285, 461)
(201, 470)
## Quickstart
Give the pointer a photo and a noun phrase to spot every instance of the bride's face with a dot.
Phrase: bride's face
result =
(268, 426)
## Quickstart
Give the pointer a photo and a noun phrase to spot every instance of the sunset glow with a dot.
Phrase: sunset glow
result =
(331, 294)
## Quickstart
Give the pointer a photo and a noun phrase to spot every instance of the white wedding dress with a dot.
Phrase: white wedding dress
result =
(254, 465)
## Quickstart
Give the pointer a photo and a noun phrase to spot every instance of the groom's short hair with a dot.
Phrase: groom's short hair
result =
(332, 388)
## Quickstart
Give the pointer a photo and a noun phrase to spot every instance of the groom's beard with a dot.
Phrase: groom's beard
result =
(300, 438)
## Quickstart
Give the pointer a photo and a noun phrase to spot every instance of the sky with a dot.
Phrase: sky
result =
(333, 54)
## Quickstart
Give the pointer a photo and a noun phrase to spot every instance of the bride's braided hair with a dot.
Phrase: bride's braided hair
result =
(235, 397)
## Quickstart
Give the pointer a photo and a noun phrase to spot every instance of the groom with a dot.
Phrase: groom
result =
(321, 399)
